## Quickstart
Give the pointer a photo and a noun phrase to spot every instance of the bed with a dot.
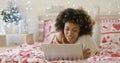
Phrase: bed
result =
(31, 52)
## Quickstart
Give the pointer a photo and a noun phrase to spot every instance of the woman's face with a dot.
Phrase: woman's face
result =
(71, 32)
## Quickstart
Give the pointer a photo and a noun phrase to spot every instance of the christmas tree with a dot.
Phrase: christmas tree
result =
(11, 14)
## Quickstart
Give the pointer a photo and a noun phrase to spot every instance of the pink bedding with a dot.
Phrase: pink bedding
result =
(32, 53)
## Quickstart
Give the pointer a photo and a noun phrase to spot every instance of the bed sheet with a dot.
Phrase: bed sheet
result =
(32, 53)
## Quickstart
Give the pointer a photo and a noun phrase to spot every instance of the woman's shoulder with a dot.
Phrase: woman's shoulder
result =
(85, 39)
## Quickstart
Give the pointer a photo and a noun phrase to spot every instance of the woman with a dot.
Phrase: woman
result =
(74, 25)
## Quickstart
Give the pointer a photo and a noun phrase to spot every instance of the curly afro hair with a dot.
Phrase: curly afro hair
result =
(76, 16)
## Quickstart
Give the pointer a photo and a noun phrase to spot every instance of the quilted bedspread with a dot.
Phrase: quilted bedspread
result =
(32, 53)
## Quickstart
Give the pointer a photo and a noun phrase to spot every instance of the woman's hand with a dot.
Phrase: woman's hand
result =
(86, 53)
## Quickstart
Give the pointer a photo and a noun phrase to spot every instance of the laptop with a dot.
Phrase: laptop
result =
(62, 51)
